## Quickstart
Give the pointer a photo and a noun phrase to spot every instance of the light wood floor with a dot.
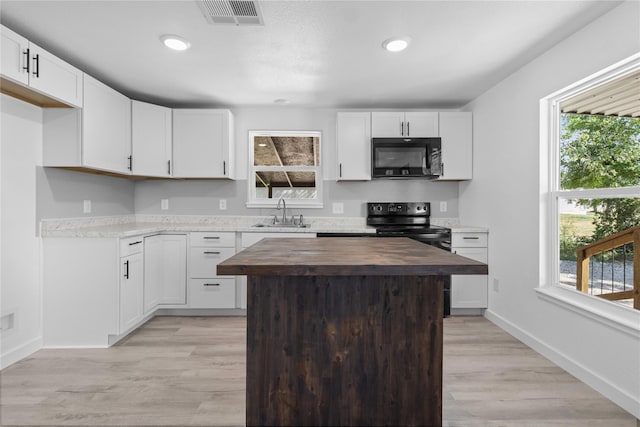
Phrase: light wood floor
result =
(190, 371)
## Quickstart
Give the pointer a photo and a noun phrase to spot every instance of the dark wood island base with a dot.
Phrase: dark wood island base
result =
(344, 350)
(345, 331)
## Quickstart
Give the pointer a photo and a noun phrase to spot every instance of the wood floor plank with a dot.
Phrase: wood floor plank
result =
(190, 371)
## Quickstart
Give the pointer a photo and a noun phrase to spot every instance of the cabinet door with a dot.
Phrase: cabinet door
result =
(165, 270)
(54, 77)
(151, 139)
(153, 272)
(131, 291)
(174, 290)
(201, 143)
(469, 291)
(106, 128)
(420, 124)
(387, 124)
(13, 51)
(353, 140)
(457, 145)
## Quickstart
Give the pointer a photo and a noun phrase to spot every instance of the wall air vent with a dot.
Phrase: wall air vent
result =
(234, 12)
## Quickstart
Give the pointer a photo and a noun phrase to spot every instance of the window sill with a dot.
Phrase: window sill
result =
(622, 318)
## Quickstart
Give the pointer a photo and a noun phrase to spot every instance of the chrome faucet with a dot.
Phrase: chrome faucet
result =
(284, 209)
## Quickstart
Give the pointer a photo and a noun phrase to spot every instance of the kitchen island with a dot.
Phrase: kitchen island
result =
(345, 331)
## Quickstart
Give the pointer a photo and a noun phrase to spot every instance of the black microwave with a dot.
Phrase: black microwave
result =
(406, 158)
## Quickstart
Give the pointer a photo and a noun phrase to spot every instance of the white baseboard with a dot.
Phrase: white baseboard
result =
(12, 356)
(626, 401)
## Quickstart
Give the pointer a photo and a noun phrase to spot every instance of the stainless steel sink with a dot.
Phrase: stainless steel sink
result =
(280, 225)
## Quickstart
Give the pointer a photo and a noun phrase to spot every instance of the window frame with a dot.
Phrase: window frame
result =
(253, 201)
(623, 318)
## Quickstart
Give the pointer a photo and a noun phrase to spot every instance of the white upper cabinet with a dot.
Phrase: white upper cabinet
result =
(413, 124)
(353, 140)
(106, 126)
(31, 66)
(151, 137)
(456, 131)
(203, 143)
(15, 58)
(98, 136)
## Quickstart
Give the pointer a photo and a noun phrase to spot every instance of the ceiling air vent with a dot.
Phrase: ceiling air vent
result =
(234, 12)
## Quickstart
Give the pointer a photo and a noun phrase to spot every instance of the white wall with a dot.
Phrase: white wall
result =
(20, 288)
(201, 197)
(61, 194)
(505, 196)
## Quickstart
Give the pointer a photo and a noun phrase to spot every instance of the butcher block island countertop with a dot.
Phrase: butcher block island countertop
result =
(345, 331)
(343, 256)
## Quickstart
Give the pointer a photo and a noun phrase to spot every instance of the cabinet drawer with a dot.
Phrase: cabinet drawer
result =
(131, 245)
(212, 293)
(469, 240)
(213, 239)
(203, 261)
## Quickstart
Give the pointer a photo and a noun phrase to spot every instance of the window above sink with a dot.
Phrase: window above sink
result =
(284, 164)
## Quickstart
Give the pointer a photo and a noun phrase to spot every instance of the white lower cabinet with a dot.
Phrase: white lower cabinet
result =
(81, 281)
(131, 291)
(206, 288)
(469, 291)
(165, 270)
(248, 239)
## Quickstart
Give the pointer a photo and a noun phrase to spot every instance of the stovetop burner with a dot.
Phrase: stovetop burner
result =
(410, 219)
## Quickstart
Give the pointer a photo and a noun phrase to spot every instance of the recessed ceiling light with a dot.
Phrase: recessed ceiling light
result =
(396, 44)
(262, 144)
(281, 101)
(175, 42)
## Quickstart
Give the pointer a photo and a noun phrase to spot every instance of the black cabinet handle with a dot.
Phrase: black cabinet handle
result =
(211, 237)
(408, 131)
(211, 284)
(340, 174)
(168, 167)
(126, 269)
(470, 238)
(27, 60)
(36, 65)
(135, 243)
(224, 167)
(401, 128)
(130, 162)
(211, 253)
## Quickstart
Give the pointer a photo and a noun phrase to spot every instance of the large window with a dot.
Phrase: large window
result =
(594, 184)
(284, 164)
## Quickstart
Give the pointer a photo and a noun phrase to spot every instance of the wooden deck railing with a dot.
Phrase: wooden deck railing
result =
(630, 235)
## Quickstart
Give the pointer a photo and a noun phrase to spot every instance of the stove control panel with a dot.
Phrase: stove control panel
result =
(399, 208)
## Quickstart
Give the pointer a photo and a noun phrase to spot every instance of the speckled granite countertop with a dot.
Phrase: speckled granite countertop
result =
(133, 225)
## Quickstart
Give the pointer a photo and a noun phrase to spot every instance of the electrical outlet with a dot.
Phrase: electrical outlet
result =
(223, 204)
(443, 206)
(164, 204)
(338, 207)
(496, 285)
(6, 322)
(86, 206)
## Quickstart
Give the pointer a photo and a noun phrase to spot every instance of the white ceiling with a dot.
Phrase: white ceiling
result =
(313, 53)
